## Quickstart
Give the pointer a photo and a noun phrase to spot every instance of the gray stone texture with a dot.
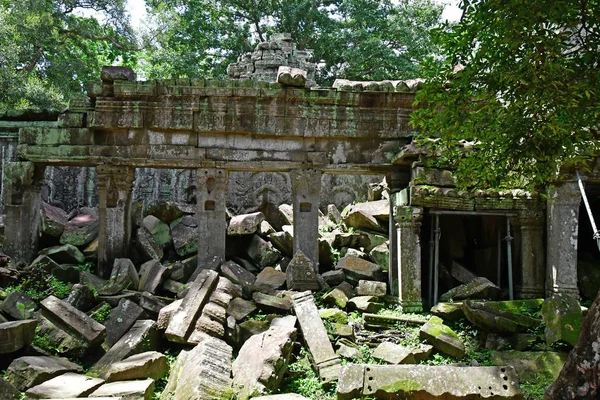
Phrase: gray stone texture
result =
(479, 288)
(442, 338)
(262, 252)
(392, 353)
(245, 224)
(18, 306)
(80, 231)
(301, 273)
(150, 364)
(121, 318)
(68, 385)
(127, 390)
(371, 288)
(563, 318)
(356, 269)
(152, 273)
(53, 220)
(306, 187)
(26, 372)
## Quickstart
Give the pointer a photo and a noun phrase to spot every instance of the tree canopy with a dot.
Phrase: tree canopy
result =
(49, 49)
(520, 80)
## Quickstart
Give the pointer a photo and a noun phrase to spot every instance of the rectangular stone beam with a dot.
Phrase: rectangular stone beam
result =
(427, 382)
(326, 361)
(306, 190)
(211, 216)
(115, 187)
(21, 188)
(184, 319)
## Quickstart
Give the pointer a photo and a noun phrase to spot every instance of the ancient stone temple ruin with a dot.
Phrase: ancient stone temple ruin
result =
(269, 135)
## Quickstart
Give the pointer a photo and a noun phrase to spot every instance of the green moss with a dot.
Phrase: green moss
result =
(403, 386)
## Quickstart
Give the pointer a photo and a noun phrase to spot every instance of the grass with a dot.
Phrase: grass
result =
(302, 379)
(535, 388)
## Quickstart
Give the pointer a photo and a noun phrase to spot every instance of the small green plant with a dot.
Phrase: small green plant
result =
(438, 359)
(258, 316)
(101, 314)
(303, 380)
(58, 288)
(43, 341)
(534, 389)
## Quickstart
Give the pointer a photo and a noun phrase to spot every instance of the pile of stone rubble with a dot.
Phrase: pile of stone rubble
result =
(236, 324)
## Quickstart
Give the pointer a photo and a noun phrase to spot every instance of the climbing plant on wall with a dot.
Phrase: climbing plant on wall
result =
(521, 81)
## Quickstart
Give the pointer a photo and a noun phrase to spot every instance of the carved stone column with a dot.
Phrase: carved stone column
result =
(405, 275)
(306, 190)
(211, 215)
(22, 185)
(563, 226)
(115, 185)
(533, 266)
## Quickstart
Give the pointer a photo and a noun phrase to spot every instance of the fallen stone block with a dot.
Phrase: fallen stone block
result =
(371, 288)
(240, 276)
(269, 279)
(359, 219)
(152, 273)
(81, 230)
(334, 277)
(286, 396)
(142, 337)
(138, 390)
(356, 269)
(185, 235)
(53, 220)
(290, 76)
(448, 311)
(81, 297)
(262, 361)
(479, 288)
(202, 373)
(147, 246)
(64, 386)
(120, 320)
(65, 343)
(442, 338)
(262, 252)
(159, 230)
(367, 304)
(169, 211)
(166, 313)
(532, 365)
(150, 364)
(240, 308)
(283, 241)
(494, 320)
(65, 254)
(18, 306)
(9, 392)
(336, 297)
(333, 315)
(326, 361)
(427, 382)
(563, 318)
(124, 275)
(389, 322)
(72, 320)
(183, 321)
(380, 255)
(26, 372)
(392, 353)
(270, 303)
(245, 224)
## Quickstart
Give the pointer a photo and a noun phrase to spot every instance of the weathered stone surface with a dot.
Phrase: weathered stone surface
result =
(333, 315)
(72, 320)
(251, 328)
(265, 229)
(326, 361)
(53, 220)
(262, 361)
(494, 320)
(288, 76)
(147, 246)
(461, 274)
(531, 365)
(120, 320)
(301, 273)
(69, 385)
(421, 352)
(18, 306)
(262, 252)
(203, 373)
(286, 396)
(371, 288)
(43, 263)
(448, 311)
(389, 322)
(284, 240)
(479, 288)
(442, 338)
(270, 279)
(239, 275)
(379, 209)
(270, 303)
(152, 304)
(563, 318)
(380, 255)
(140, 338)
(124, 275)
(26, 372)
(159, 230)
(65, 343)
(392, 353)
(166, 313)
(169, 211)
(181, 271)
(359, 219)
(369, 304)
(245, 224)
(336, 297)
(113, 73)
(138, 390)
(152, 273)
(8, 391)
(240, 308)
(185, 235)
(66, 273)
(150, 364)
(334, 277)
(81, 230)
(348, 352)
(427, 382)
(81, 297)
(356, 269)
(579, 377)
(65, 254)
(184, 319)
(287, 213)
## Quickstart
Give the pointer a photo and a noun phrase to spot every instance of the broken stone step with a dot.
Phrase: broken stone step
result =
(65, 386)
(389, 322)
(427, 382)
(67, 317)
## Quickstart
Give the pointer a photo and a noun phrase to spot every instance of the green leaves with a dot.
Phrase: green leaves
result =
(526, 95)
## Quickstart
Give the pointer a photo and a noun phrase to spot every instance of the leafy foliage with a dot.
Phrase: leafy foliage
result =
(48, 50)
(355, 39)
(520, 81)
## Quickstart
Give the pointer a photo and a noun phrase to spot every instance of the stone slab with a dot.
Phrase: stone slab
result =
(120, 320)
(314, 333)
(29, 371)
(150, 364)
(183, 321)
(16, 335)
(72, 320)
(128, 390)
(65, 386)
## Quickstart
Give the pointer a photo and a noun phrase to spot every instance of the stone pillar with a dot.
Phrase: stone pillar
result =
(306, 190)
(405, 275)
(561, 246)
(533, 266)
(21, 192)
(115, 185)
(211, 215)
